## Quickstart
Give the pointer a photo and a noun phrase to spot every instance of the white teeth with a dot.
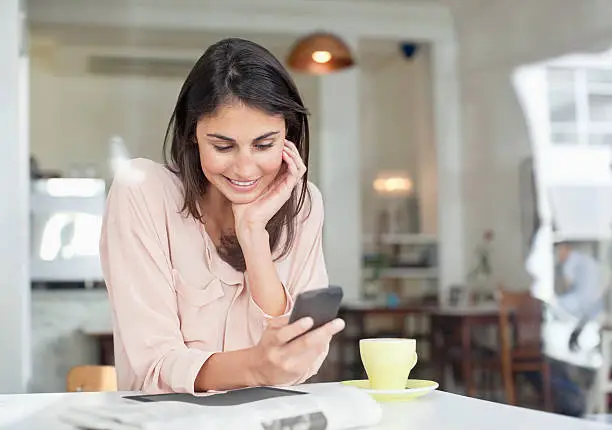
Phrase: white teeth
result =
(243, 183)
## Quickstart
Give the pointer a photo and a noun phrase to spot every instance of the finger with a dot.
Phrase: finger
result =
(296, 156)
(291, 331)
(292, 166)
(291, 145)
(295, 153)
(320, 336)
(300, 167)
(288, 180)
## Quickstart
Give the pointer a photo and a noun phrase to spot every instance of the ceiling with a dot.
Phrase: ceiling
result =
(75, 35)
(454, 4)
(370, 51)
(189, 42)
(114, 36)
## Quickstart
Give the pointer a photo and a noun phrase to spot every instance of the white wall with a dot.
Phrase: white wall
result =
(425, 141)
(74, 114)
(309, 90)
(15, 368)
(339, 160)
(493, 42)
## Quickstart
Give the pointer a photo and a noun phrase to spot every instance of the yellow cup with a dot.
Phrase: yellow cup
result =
(388, 361)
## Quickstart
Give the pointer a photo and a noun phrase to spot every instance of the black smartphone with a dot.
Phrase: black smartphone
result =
(322, 305)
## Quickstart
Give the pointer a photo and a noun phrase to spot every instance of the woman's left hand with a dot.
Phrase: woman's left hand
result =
(255, 215)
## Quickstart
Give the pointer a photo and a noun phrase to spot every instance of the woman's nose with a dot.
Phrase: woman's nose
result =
(245, 166)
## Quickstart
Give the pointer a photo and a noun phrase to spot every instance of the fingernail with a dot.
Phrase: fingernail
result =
(306, 322)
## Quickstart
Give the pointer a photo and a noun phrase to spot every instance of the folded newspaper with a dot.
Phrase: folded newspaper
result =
(323, 407)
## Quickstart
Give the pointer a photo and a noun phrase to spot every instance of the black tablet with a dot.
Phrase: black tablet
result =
(229, 398)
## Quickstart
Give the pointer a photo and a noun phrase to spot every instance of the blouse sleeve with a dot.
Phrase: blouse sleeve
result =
(136, 264)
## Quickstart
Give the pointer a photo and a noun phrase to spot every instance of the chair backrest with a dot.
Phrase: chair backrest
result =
(520, 325)
(520, 315)
(91, 378)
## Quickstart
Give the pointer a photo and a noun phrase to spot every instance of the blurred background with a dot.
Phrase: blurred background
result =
(462, 148)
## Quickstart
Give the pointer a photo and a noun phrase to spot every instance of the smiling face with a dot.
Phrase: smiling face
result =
(240, 150)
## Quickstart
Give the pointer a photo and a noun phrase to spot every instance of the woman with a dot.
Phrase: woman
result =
(203, 257)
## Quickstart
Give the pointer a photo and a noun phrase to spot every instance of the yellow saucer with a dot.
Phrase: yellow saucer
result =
(414, 388)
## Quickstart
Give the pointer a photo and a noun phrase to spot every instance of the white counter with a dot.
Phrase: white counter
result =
(437, 411)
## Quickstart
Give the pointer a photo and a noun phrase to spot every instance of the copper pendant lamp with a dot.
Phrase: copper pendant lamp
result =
(320, 53)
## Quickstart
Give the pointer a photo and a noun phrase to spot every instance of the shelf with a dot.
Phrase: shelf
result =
(405, 273)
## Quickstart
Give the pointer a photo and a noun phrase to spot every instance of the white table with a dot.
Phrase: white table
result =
(437, 411)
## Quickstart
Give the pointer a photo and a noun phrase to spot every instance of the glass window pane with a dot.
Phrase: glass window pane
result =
(561, 77)
(564, 138)
(598, 76)
(600, 139)
(600, 108)
(582, 210)
(562, 106)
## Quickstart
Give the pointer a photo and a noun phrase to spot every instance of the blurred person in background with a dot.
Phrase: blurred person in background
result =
(572, 332)
(578, 285)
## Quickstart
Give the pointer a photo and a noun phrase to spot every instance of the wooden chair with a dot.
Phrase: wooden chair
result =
(520, 323)
(91, 378)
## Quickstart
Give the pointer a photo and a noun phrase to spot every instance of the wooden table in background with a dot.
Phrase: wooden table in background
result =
(445, 321)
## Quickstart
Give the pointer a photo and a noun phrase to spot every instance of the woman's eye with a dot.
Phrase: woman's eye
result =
(222, 148)
(264, 146)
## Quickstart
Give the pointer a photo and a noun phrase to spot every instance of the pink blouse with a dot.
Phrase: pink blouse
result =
(175, 302)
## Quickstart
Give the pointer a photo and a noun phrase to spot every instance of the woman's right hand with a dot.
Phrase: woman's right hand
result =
(279, 358)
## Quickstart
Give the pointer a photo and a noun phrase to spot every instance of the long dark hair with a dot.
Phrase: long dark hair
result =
(236, 70)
